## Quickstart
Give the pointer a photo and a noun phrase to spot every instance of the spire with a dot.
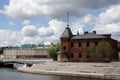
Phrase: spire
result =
(77, 32)
(67, 33)
(67, 19)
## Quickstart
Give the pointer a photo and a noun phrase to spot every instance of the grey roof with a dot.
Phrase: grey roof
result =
(88, 36)
(67, 33)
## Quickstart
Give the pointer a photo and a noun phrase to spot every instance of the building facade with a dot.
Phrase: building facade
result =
(25, 53)
(87, 47)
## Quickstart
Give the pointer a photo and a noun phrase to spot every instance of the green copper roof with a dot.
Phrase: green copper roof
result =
(27, 46)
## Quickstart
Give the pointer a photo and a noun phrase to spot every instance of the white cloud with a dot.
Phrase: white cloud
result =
(57, 26)
(88, 19)
(48, 33)
(109, 21)
(11, 23)
(111, 15)
(45, 32)
(29, 40)
(9, 37)
(106, 22)
(26, 9)
(29, 31)
(81, 22)
(33, 34)
(26, 22)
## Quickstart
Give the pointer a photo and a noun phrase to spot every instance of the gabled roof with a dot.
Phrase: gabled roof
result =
(88, 36)
(67, 33)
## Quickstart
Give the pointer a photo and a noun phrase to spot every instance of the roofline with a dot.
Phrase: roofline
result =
(89, 38)
(114, 40)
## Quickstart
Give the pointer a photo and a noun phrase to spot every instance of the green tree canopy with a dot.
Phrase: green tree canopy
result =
(103, 49)
(53, 50)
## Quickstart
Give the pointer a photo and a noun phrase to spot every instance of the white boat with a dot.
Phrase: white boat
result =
(16, 65)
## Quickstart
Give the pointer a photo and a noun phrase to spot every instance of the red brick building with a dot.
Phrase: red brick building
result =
(83, 47)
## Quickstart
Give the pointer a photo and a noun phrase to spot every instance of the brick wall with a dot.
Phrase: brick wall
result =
(79, 52)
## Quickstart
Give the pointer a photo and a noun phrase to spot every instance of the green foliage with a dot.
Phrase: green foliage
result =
(52, 51)
(103, 49)
(119, 55)
(90, 51)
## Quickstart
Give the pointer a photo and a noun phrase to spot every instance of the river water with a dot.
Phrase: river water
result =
(12, 74)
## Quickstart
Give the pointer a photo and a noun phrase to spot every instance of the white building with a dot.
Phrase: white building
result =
(21, 53)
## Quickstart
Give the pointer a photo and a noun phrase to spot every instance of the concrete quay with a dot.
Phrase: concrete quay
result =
(110, 71)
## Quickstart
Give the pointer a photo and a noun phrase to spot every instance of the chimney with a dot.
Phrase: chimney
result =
(94, 32)
(86, 32)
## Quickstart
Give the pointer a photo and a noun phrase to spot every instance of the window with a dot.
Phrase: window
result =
(96, 43)
(71, 44)
(88, 44)
(79, 44)
(80, 55)
(72, 55)
(64, 48)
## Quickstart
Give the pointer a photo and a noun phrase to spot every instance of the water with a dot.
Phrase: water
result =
(12, 74)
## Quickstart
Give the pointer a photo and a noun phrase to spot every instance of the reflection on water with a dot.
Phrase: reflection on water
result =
(12, 74)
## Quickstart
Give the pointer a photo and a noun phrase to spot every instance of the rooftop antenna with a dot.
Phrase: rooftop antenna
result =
(67, 19)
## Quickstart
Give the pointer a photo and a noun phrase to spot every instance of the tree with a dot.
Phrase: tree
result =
(52, 51)
(90, 52)
(103, 49)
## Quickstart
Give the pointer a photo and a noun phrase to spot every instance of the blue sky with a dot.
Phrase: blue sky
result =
(37, 21)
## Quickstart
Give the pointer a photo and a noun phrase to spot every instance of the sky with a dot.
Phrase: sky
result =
(43, 21)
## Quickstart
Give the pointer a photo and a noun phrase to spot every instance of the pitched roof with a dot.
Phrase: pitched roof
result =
(67, 33)
(88, 36)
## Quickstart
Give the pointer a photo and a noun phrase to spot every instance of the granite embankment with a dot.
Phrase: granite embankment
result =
(93, 70)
